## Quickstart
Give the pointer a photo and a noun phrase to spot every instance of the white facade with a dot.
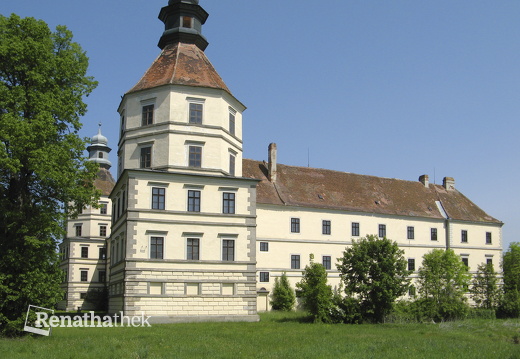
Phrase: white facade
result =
(199, 233)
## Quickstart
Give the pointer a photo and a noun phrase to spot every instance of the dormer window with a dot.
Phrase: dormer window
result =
(187, 22)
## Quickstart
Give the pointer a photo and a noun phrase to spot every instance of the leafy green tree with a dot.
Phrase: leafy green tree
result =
(485, 291)
(511, 267)
(283, 297)
(316, 294)
(510, 303)
(42, 165)
(375, 274)
(443, 281)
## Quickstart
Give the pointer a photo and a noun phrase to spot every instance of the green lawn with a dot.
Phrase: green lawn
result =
(277, 336)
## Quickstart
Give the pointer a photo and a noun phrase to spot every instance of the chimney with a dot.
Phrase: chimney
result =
(272, 162)
(425, 180)
(448, 183)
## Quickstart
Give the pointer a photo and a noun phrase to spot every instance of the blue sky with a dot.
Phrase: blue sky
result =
(386, 88)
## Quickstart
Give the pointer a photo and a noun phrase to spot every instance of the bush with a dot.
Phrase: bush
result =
(509, 306)
(315, 293)
(283, 297)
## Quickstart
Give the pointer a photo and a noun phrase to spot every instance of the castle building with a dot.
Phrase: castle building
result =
(199, 233)
(84, 250)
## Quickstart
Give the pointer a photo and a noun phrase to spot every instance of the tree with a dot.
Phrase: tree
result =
(42, 166)
(510, 303)
(316, 294)
(283, 295)
(484, 289)
(443, 281)
(374, 272)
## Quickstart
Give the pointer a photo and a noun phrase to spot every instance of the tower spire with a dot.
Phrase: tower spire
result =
(183, 20)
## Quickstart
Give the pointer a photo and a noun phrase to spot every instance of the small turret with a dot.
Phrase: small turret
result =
(98, 150)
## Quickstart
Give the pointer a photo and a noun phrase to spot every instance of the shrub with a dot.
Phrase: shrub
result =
(283, 297)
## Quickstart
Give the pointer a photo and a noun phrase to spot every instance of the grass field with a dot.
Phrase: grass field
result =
(277, 335)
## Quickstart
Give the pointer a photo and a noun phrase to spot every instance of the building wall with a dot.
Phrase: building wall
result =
(171, 133)
(73, 263)
(274, 228)
(174, 285)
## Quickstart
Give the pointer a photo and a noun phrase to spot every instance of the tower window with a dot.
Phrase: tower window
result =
(192, 251)
(100, 155)
(228, 203)
(147, 115)
(232, 123)
(228, 250)
(187, 22)
(158, 198)
(156, 247)
(195, 159)
(193, 201)
(196, 113)
(146, 157)
(232, 165)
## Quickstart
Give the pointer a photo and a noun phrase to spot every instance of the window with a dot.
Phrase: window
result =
(146, 157)
(103, 209)
(232, 165)
(102, 253)
(228, 203)
(102, 276)
(195, 157)
(193, 201)
(102, 231)
(410, 233)
(196, 113)
(147, 118)
(84, 275)
(433, 234)
(295, 225)
(488, 238)
(84, 252)
(295, 261)
(264, 246)
(489, 261)
(411, 291)
(325, 227)
(78, 231)
(122, 125)
(100, 155)
(232, 123)
(382, 230)
(228, 250)
(158, 198)
(327, 263)
(465, 260)
(355, 229)
(193, 249)
(411, 264)
(156, 247)
(186, 22)
(264, 276)
(82, 295)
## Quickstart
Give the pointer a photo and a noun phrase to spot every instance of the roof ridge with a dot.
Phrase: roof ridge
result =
(176, 62)
(344, 172)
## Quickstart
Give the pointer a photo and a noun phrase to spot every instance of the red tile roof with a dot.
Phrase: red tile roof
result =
(104, 181)
(181, 64)
(320, 188)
